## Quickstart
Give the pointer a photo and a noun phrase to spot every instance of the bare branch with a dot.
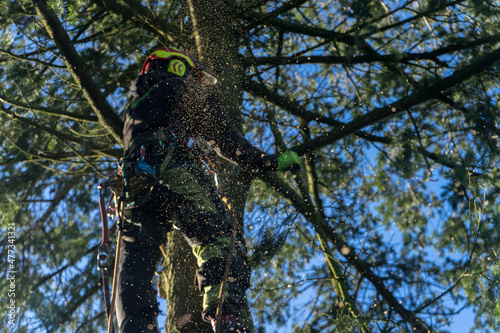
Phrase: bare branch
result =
(50, 112)
(275, 13)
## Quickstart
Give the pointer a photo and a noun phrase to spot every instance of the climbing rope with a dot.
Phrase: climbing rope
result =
(218, 312)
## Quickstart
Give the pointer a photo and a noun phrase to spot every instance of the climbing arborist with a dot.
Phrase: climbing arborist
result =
(169, 126)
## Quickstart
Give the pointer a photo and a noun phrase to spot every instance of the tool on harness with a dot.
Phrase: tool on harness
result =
(141, 175)
(210, 168)
(143, 169)
(103, 253)
(190, 143)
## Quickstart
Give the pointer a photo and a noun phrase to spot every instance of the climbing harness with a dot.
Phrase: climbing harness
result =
(165, 142)
(161, 143)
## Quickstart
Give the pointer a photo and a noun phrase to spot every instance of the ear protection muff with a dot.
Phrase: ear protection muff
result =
(179, 64)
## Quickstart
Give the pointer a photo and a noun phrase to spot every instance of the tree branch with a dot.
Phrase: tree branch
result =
(50, 112)
(60, 196)
(107, 117)
(61, 136)
(27, 59)
(373, 57)
(433, 91)
(347, 251)
(294, 108)
(275, 13)
(66, 316)
(132, 10)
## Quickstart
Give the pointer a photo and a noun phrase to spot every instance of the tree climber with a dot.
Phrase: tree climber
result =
(168, 128)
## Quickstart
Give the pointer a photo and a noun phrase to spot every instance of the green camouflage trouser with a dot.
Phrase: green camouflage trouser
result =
(187, 196)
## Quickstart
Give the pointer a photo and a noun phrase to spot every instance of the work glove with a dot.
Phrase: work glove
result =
(289, 161)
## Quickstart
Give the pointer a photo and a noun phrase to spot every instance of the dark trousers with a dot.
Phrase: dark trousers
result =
(188, 198)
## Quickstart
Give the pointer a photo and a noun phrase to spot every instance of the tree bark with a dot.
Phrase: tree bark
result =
(184, 302)
(217, 50)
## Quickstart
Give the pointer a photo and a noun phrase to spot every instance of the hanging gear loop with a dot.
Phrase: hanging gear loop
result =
(103, 254)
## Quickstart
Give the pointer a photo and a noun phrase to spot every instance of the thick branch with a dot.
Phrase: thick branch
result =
(373, 57)
(107, 117)
(433, 91)
(294, 108)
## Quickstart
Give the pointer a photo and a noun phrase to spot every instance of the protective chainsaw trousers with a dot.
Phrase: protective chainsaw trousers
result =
(187, 197)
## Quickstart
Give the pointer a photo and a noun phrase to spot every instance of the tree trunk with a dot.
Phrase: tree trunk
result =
(184, 302)
(217, 50)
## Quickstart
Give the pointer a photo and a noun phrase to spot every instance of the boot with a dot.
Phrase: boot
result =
(230, 324)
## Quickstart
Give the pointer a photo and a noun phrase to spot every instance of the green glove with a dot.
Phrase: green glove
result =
(289, 160)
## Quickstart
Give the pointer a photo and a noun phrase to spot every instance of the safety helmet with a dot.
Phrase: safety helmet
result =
(179, 63)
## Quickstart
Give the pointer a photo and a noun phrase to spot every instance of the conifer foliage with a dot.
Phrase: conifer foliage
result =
(393, 224)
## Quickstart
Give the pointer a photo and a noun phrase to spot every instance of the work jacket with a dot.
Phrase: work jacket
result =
(181, 107)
